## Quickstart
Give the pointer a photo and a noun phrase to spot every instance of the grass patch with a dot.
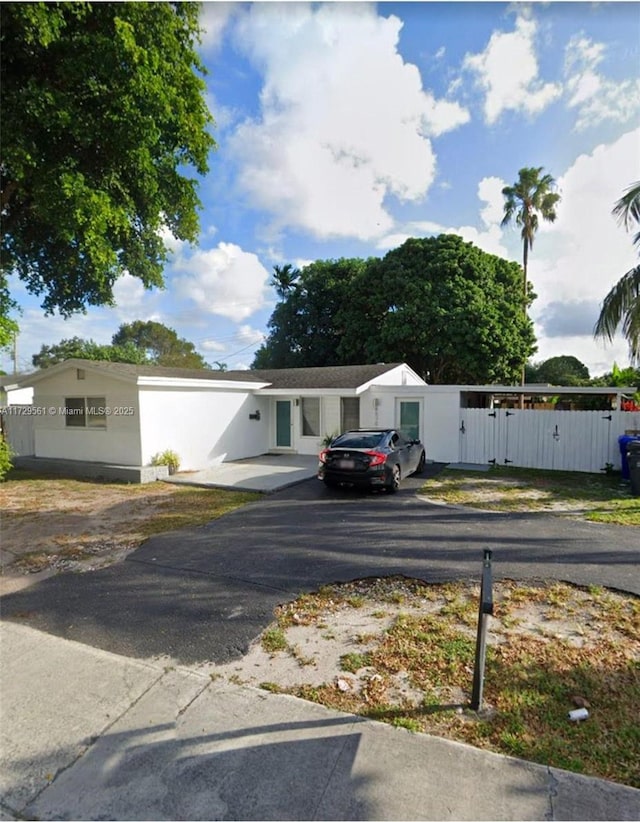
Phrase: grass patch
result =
(273, 640)
(353, 662)
(600, 498)
(590, 651)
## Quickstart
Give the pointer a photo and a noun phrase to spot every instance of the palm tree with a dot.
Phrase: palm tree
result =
(621, 306)
(284, 278)
(530, 197)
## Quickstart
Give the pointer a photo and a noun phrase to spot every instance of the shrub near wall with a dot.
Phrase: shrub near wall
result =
(5, 458)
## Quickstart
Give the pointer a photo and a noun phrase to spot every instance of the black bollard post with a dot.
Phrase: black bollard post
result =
(484, 611)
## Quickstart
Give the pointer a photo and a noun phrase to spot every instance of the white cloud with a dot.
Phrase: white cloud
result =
(37, 330)
(507, 71)
(212, 346)
(214, 18)
(224, 280)
(490, 192)
(489, 239)
(585, 251)
(253, 336)
(345, 122)
(134, 301)
(595, 98)
(417, 228)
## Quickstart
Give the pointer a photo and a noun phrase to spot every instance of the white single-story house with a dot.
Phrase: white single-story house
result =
(121, 414)
(125, 414)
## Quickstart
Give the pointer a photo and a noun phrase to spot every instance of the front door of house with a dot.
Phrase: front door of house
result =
(283, 423)
(408, 412)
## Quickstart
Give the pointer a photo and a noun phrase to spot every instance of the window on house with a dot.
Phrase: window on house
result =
(311, 416)
(349, 413)
(85, 412)
(96, 412)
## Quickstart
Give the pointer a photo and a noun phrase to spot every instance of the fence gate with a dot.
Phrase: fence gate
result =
(18, 430)
(559, 440)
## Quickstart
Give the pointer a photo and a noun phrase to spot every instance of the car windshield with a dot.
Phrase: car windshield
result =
(358, 439)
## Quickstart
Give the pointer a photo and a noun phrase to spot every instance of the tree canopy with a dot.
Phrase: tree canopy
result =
(138, 342)
(561, 370)
(78, 348)
(104, 124)
(306, 328)
(448, 309)
(160, 344)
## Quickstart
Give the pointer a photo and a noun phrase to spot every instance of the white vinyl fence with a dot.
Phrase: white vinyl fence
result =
(19, 431)
(560, 440)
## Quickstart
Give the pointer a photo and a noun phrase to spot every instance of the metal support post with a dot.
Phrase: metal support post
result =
(484, 611)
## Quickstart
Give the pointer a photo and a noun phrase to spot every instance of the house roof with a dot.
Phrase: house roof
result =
(339, 376)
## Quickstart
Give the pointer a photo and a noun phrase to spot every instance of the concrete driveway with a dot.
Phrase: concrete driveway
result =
(267, 473)
(204, 594)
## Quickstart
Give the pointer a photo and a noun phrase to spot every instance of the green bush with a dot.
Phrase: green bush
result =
(168, 458)
(5, 458)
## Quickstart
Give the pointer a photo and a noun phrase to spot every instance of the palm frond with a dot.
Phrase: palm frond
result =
(627, 209)
(621, 309)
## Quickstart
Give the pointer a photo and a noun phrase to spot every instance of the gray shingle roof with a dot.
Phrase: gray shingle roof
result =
(338, 376)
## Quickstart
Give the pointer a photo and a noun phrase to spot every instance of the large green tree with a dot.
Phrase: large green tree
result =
(621, 306)
(447, 308)
(104, 126)
(76, 347)
(306, 328)
(8, 326)
(137, 342)
(160, 344)
(562, 370)
(451, 311)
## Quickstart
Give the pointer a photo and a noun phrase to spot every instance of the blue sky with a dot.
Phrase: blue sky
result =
(343, 129)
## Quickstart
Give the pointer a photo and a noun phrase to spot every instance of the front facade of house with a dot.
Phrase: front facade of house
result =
(124, 414)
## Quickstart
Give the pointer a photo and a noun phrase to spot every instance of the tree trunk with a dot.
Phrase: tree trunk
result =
(525, 260)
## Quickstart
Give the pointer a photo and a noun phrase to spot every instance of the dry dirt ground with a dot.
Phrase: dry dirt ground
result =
(49, 526)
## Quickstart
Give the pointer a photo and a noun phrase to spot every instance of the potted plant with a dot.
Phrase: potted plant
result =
(168, 458)
(328, 439)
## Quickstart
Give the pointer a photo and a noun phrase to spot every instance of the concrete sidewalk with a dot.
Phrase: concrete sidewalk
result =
(86, 734)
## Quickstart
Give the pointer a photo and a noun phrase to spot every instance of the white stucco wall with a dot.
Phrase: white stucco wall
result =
(400, 375)
(203, 427)
(20, 396)
(440, 417)
(117, 443)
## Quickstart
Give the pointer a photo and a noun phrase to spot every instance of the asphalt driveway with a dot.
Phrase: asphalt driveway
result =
(203, 594)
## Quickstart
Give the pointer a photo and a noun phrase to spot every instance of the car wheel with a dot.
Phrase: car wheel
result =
(395, 480)
(421, 462)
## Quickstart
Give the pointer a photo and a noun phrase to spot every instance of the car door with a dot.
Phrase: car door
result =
(402, 450)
